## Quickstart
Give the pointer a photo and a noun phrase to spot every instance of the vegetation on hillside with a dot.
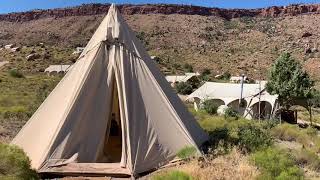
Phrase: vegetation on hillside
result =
(20, 98)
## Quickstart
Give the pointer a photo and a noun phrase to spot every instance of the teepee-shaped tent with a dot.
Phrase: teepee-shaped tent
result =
(113, 112)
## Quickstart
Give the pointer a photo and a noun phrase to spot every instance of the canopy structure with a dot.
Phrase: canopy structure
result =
(58, 68)
(181, 78)
(229, 94)
(112, 113)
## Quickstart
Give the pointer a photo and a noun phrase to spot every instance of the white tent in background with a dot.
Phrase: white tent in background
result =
(229, 94)
(58, 69)
(112, 113)
(181, 78)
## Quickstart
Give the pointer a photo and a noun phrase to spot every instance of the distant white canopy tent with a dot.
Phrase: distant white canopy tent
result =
(58, 69)
(229, 94)
(181, 78)
(112, 113)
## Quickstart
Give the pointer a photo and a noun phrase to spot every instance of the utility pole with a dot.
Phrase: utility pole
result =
(260, 99)
(242, 81)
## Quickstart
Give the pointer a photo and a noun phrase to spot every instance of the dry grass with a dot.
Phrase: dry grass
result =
(234, 166)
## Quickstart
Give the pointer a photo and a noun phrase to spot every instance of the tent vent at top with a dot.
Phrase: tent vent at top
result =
(112, 113)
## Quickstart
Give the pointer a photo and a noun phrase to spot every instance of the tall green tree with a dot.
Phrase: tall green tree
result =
(288, 80)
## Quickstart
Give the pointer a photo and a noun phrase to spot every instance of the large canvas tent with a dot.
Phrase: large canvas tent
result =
(112, 113)
(229, 94)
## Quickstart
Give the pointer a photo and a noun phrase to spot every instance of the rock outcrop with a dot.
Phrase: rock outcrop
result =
(96, 9)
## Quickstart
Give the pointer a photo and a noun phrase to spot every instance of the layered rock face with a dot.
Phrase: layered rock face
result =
(95, 9)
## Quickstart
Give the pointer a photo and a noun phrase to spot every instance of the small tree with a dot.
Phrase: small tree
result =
(289, 81)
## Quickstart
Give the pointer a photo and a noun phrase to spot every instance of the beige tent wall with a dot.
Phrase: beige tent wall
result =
(39, 132)
(85, 126)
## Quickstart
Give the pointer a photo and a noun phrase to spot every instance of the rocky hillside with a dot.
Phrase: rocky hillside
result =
(235, 40)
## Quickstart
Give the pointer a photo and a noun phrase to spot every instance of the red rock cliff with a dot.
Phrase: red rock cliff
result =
(95, 9)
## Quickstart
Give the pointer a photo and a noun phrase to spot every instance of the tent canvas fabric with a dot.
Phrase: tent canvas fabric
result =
(73, 123)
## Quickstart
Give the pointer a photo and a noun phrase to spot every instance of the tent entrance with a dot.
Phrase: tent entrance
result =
(112, 149)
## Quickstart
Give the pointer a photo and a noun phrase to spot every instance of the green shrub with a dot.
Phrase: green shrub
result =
(194, 82)
(184, 88)
(205, 75)
(206, 72)
(187, 152)
(253, 137)
(188, 67)
(210, 107)
(276, 164)
(172, 175)
(229, 24)
(247, 135)
(231, 114)
(210, 123)
(14, 164)
(15, 73)
(226, 76)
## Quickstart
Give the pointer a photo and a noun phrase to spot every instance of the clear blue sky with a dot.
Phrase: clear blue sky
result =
(7, 6)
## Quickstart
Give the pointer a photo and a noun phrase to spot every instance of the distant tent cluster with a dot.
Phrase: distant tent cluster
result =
(112, 113)
(57, 69)
(229, 94)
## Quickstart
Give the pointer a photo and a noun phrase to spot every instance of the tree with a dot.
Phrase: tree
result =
(288, 80)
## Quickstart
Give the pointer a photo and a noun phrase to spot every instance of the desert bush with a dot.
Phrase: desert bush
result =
(14, 164)
(210, 107)
(245, 134)
(194, 82)
(231, 114)
(229, 24)
(225, 76)
(205, 72)
(15, 73)
(287, 132)
(248, 20)
(205, 75)
(276, 164)
(253, 137)
(307, 158)
(188, 67)
(210, 123)
(142, 36)
(172, 175)
(184, 88)
(187, 152)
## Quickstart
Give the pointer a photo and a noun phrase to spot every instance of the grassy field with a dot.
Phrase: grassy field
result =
(20, 97)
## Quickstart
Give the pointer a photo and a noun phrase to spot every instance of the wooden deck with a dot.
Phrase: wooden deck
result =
(89, 169)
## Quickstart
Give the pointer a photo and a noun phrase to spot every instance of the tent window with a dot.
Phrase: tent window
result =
(113, 141)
